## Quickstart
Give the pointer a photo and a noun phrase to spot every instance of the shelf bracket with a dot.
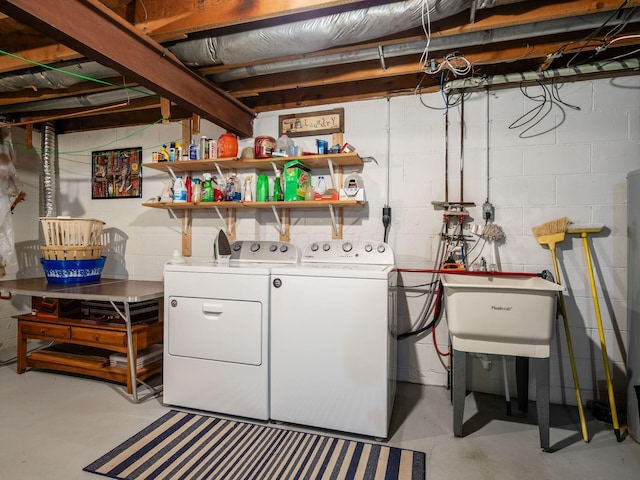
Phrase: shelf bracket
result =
(173, 174)
(333, 219)
(227, 230)
(183, 225)
(334, 181)
(220, 173)
(280, 224)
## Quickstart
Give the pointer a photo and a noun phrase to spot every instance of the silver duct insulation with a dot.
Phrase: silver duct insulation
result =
(101, 98)
(475, 83)
(49, 144)
(315, 34)
(297, 37)
(48, 78)
(417, 47)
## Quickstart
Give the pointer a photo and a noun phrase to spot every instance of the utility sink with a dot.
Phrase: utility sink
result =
(500, 314)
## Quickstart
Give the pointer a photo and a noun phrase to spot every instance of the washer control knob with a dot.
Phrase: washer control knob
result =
(381, 248)
(314, 247)
(273, 248)
(347, 247)
(326, 247)
(255, 247)
(368, 248)
(284, 248)
(237, 247)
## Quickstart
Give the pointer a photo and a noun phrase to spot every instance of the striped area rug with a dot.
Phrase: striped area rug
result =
(196, 447)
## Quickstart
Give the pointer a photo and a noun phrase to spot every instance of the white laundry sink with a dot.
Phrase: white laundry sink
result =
(505, 315)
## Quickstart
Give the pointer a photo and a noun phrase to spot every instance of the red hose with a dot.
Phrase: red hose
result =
(435, 343)
(467, 272)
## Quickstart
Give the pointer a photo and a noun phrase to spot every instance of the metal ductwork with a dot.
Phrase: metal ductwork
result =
(80, 101)
(450, 43)
(314, 34)
(48, 185)
(297, 37)
(305, 37)
(55, 78)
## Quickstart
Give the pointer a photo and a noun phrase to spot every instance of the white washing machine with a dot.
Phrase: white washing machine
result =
(333, 338)
(216, 347)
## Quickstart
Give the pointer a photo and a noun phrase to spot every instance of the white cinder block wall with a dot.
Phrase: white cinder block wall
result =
(571, 160)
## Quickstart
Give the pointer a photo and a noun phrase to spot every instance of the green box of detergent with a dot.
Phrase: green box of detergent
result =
(296, 180)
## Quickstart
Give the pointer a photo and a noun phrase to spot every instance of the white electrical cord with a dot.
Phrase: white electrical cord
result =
(427, 31)
(455, 63)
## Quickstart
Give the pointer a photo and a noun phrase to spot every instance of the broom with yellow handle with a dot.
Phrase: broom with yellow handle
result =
(584, 231)
(550, 234)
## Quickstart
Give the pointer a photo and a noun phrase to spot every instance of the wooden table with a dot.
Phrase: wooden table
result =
(130, 338)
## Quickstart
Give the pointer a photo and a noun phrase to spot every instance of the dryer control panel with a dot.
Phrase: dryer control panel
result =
(257, 251)
(349, 251)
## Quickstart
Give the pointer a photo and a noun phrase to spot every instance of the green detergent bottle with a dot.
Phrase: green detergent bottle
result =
(207, 188)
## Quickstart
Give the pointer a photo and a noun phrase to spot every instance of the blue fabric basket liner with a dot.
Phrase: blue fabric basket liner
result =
(73, 271)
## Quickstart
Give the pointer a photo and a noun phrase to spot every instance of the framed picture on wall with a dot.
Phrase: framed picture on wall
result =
(116, 173)
(312, 123)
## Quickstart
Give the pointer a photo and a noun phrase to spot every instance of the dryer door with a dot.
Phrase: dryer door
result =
(215, 329)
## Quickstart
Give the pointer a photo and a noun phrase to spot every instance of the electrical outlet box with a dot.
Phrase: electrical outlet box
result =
(487, 211)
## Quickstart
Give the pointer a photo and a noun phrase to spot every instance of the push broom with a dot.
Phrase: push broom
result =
(550, 234)
(584, 231)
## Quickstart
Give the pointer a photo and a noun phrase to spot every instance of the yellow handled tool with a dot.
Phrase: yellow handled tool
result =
(550, 234)
(584, 232)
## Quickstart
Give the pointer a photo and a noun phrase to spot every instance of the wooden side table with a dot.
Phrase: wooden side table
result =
(99, 340)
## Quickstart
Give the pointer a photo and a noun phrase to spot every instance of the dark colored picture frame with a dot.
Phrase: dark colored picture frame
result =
(116, 173)
(312, 123)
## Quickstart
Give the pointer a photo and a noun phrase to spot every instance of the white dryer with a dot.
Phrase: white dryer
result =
(216, 347)
(333, 338)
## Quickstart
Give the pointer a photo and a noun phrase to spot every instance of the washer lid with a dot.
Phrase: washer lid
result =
(209, 266)
(336, 270)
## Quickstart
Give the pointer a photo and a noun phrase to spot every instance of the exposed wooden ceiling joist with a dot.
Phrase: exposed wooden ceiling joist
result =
(519, 36)
(93, 30)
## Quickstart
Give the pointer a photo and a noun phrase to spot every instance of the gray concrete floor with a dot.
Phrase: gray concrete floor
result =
(52, 425)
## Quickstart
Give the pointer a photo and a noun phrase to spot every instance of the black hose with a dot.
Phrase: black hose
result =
(437, 315)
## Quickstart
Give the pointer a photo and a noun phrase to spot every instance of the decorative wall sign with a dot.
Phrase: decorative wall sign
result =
(116, 173)
(312, 123)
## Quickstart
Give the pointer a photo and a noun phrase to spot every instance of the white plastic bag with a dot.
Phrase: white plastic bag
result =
(9, 191)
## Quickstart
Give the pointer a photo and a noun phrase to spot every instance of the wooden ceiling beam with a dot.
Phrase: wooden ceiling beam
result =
(522, 13)
(108, 120)
(93, 30)
(41, 55)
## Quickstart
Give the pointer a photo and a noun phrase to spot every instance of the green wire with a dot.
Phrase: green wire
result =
(77, 75)
(91, 79)
(22, 146)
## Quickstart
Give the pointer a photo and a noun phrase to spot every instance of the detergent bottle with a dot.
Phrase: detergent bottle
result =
(207, 188)
(179, 190)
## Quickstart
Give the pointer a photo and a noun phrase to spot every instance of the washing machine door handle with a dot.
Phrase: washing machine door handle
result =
(212, 310)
